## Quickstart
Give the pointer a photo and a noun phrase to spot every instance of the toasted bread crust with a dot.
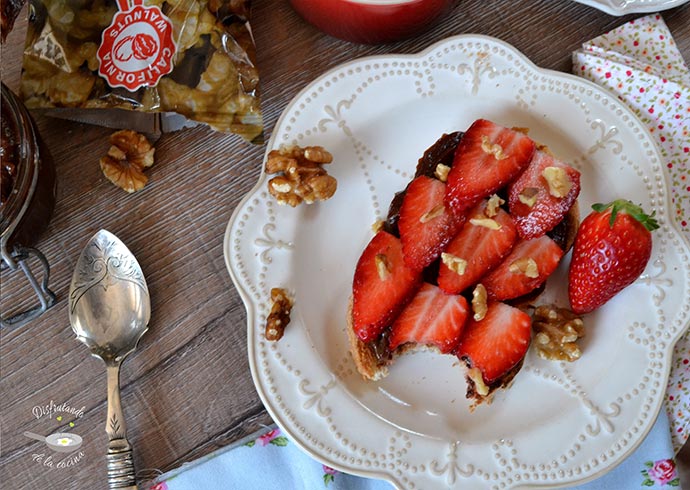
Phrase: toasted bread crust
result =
(502, 383)
(572, 224)
(363, 354)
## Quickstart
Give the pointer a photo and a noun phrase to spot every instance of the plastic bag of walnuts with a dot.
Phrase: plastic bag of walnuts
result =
(195, 58)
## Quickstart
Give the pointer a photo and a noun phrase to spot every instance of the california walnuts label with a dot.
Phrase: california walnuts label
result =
(137, 48)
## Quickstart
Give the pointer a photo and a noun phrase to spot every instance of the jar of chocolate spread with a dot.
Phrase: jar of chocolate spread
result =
(27, 199)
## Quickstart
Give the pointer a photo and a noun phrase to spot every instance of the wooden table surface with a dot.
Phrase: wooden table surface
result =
(188, 390)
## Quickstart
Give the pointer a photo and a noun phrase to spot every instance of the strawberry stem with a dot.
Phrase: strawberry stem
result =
(647, 220)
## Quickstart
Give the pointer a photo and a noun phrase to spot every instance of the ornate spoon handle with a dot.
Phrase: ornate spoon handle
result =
(120, 466)
(121, 473)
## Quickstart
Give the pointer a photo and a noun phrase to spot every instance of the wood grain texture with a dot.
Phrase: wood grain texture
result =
(187, 390)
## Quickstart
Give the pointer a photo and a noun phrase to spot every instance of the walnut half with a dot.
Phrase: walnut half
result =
(556, 333)
(130, 153)
(303, 178)
(279, 316)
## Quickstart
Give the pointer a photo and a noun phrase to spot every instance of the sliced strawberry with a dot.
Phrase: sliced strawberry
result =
(382, 285)
(488, 157)
(540, 198)
(498, 342)
(431, 318)
(524, 269)
(425, 225)
(480, 246)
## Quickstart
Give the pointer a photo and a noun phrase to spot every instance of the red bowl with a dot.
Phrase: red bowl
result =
(371, 21)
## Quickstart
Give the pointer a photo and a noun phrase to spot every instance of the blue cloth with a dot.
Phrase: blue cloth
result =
(268, 460)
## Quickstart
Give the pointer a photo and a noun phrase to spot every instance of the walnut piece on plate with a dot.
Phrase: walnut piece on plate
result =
(556, 333)
(302, 176)
(130, 153)
(279, 316)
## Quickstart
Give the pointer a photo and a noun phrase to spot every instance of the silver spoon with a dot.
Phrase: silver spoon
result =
(109, 309)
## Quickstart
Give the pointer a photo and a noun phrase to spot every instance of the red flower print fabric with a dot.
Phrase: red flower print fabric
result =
(660, 473)
(640, 63)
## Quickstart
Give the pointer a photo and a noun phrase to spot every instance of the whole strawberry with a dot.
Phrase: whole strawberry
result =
(612, 248)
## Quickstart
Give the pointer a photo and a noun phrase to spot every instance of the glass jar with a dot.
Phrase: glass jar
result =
(27, 199)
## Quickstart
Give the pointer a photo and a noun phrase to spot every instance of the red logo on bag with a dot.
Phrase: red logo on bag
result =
(137, 48)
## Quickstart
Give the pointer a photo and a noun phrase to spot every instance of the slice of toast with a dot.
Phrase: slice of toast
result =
(373, 359)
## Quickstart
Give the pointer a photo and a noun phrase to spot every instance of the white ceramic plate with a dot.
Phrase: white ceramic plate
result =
(624, 7)
(559, 423)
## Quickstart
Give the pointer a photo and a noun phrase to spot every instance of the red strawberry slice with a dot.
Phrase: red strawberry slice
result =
(425, 225)
(382, 285)
(540, 198)
(431, 318)
(488, 157)
(476, 250)
(527, 266)
(497, 343)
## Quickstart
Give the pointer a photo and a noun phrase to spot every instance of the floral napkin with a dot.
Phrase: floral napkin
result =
(640, 63)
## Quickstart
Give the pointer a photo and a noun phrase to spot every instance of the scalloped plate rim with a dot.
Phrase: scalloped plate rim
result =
(250, 305)
(634, 7)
